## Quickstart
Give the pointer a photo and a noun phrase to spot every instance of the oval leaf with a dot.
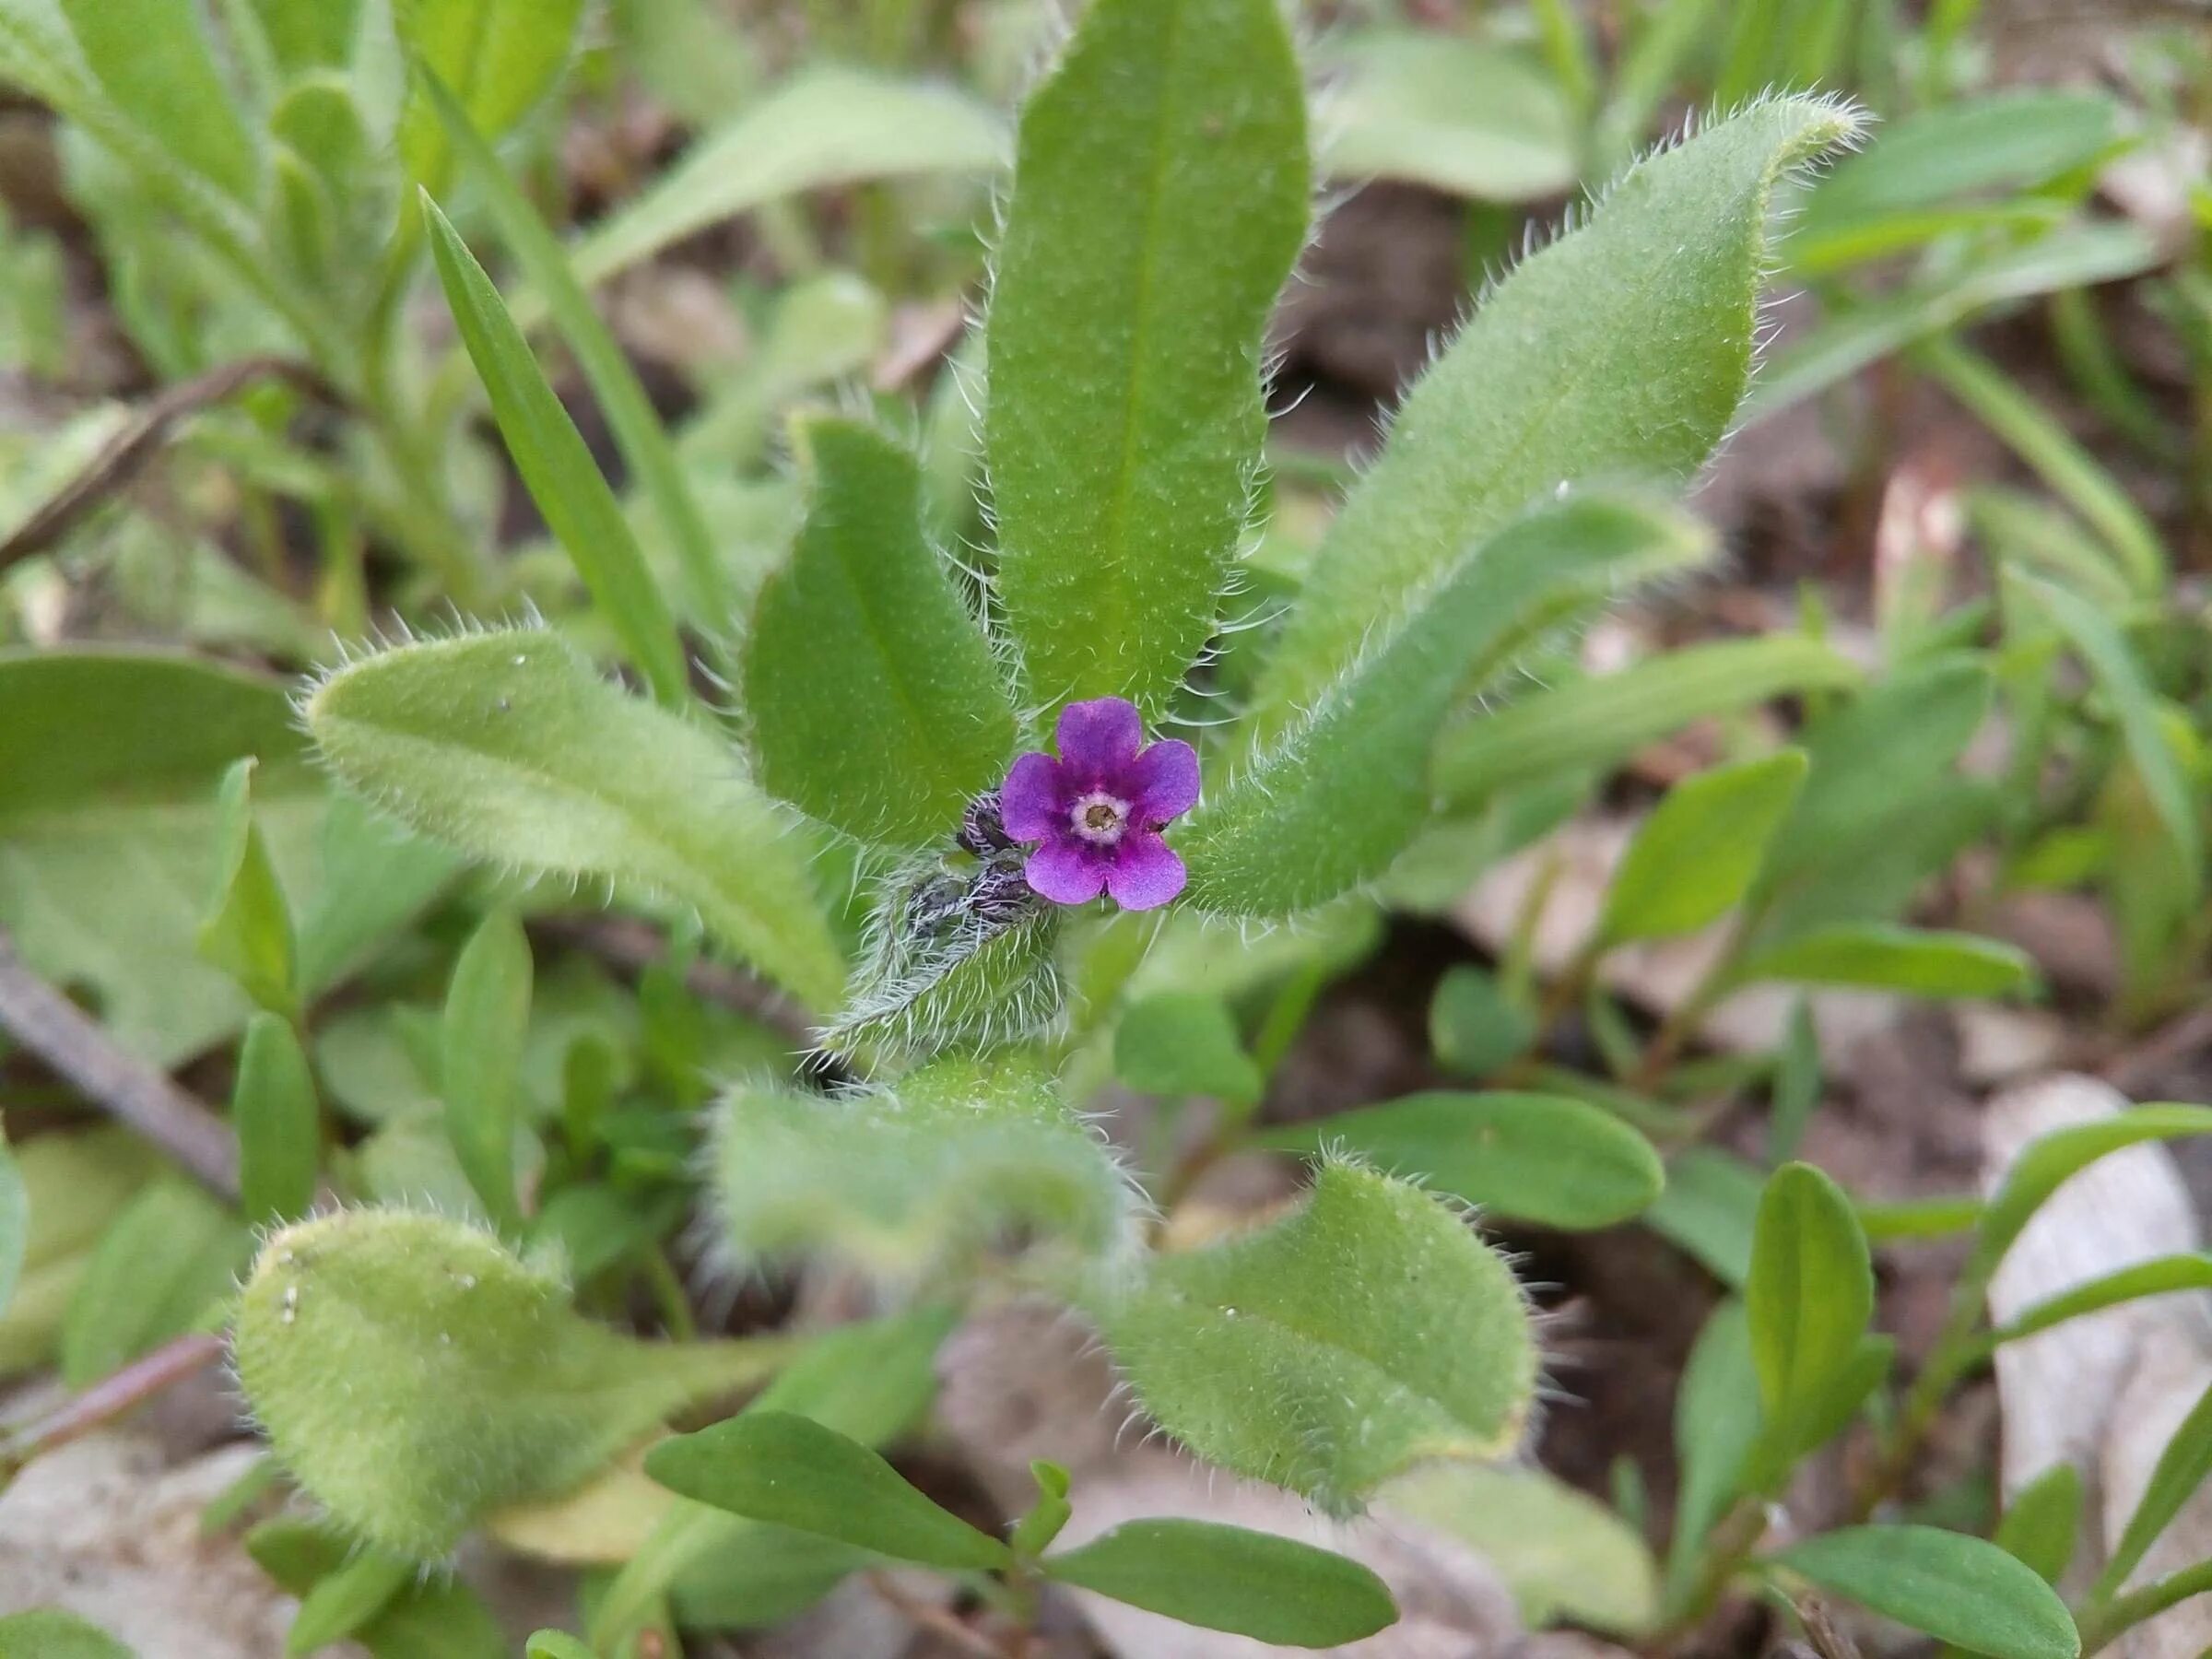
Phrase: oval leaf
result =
(1160, 197)
(1961, 1589)
(1811, 1290)
(486, 1020)
(1698, 853)
(508, 746)
(1229, 1577)
(1535, 1158)
(1184, 1042)
(872, 697)
(791, 1471)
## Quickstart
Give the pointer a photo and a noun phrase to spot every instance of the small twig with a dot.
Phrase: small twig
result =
(935, 1619)
(633, 946)
(122, 458)
(74, 1046)
(2137, 1066)
(110, 1397)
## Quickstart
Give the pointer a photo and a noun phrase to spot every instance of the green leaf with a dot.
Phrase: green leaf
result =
(789, 1470)
(438, 1617)
(1716, 1426)
(1535, 1158)
(562, 477)
(1796, 1091)
(1453, 114)
(1473, 1025)
(1947, 1584)
(1918, 962)
(162, 1263)
(913, 1177)
(14, 1222)
(55, 1633)
(75, 1185)
(1710, 1209)
(2052, 1159)
(507, 745)
(155, 60)
(1160, 195)
(498, 56)
(1184, 1042)
(487, 1019)
(2158, 1276)
(1596, 723)
(825, 126)
(872, 698)
(1301, 1354)
(1035, 1531)
(1229, 1578)
(2118, 673)
(246, 926)
(470, 1381)
(1565, 1556)
(305, 37)
(279, 1122)
(631, 418)
(346, 1599)
(555, 1644)
(109, 762)
(2182, 1468)
(2039, 1526)
(1621, 349)
(1334, 796)
(1698, 853)
(1810, 1294)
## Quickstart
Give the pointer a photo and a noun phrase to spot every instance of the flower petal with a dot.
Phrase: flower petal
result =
(1164, 780)
(1145, 872)
(1098, 738)
(1031, 805)
(1068, 871)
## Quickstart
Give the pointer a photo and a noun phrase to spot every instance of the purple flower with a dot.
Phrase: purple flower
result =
(1098, 810)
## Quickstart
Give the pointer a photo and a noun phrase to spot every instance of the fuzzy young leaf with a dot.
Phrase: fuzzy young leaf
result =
(246, 926)
(167, 1258)
(56, 1633)
(1699, 852)
(487, 1019)
(1915, 961)
(498, 56)
(1594, 722)
(1159, 196)
(1621, 350)
(1810, 1295)
(1535, 1158)
(155, 60)
(470, 1383)
(1184, 1042)
(968, 982)
(873, 699)
(508, 746)
(1303, 1354)
(912, 1177)
(1963, 1589)
(1341, 791)
(789, 1470)
(563, 479)
(1229, 1577)
(273, 1111)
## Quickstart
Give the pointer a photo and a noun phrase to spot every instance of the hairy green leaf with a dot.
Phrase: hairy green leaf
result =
(1160, 197)
(1535, 1158)
(1229, 1577)
(487, 1019)
(273, 1111)
(1961, 1589)
(470, 1383)
(1698, 853)
(1621, 350)
(1332, 798)
(791, 1471)
(509, 747)
(562, 477)
(873, 700)
(1303, 1354)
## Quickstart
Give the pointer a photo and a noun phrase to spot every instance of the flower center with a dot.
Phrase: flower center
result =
(1098, 818)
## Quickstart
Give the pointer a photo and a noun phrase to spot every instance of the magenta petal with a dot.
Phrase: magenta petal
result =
(1100, 737)
(1164, 779)
(1067, 871)
(1146, 873)
(1030, 804)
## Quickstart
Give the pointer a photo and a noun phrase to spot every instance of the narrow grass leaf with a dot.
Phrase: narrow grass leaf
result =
(278, 1123)
(1876, 956)
(246, 925)
(2182, 1468)
(1229, 1577)
(1160, 195)
(486, 1022)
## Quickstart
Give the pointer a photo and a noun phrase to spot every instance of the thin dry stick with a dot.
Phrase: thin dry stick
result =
(112, 1396)
(119, 459)
(74, 1046)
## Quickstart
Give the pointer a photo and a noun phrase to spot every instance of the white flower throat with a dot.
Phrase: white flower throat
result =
(1100, 818)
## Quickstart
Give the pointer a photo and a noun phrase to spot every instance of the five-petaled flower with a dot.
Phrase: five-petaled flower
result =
(1096, 811)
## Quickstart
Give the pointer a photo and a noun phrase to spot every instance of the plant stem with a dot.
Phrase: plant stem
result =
(2102, 1623)
(1727, 1547)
